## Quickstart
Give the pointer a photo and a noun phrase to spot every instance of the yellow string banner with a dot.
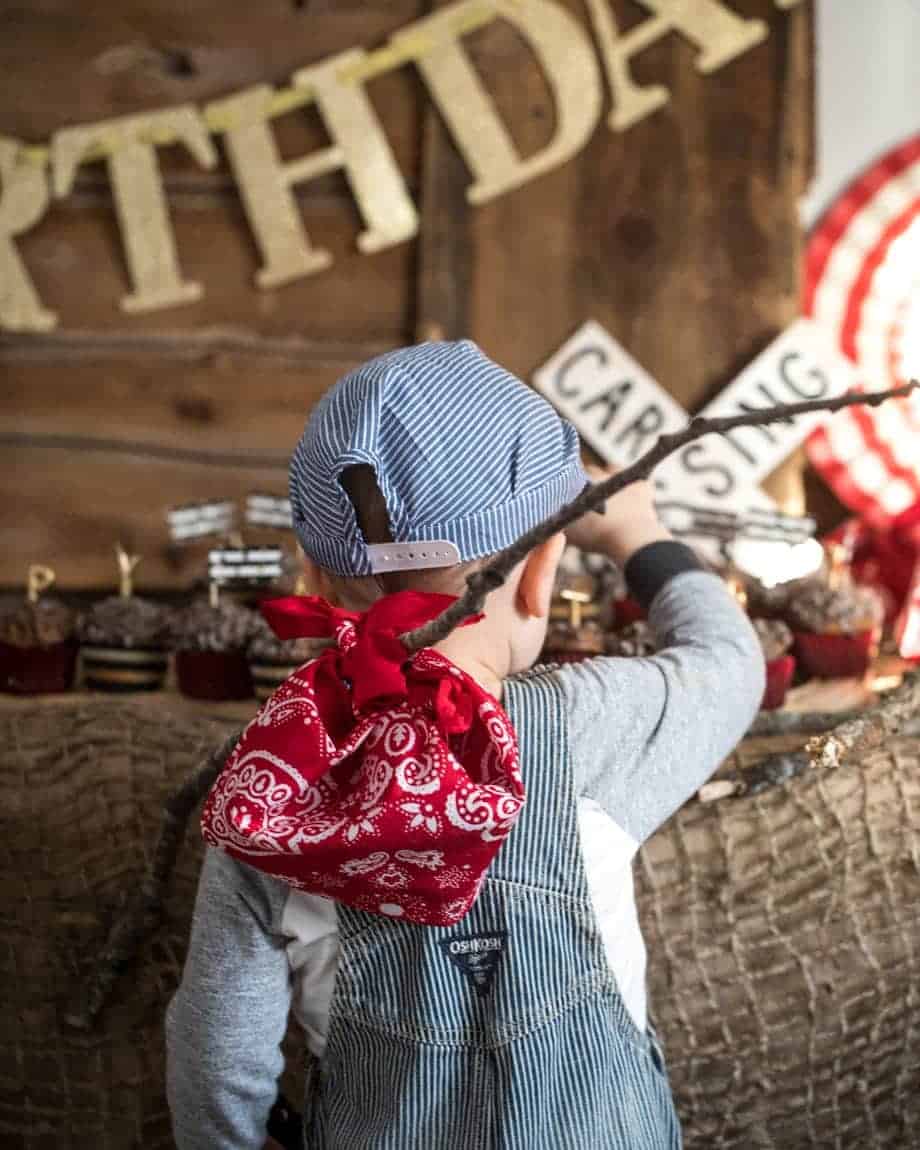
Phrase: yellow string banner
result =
(561, 45)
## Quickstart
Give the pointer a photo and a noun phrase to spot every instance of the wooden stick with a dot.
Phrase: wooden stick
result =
(843, 736)
(771, 723)
(769, 772)
(873, 727)
(488, 578)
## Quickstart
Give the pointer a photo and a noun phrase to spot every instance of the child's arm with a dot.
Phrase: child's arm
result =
(645, 734)
(226, 1022)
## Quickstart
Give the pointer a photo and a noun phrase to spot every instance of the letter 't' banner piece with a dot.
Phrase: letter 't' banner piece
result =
(129, 144)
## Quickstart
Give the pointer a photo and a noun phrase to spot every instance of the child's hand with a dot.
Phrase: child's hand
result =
(627, 522)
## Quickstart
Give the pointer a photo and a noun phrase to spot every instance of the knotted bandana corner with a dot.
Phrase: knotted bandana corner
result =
(384, 780)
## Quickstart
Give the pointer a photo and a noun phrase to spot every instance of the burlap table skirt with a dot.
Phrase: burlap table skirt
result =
(783, 932)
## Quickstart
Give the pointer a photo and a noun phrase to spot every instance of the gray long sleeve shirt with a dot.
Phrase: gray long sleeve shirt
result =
(644, 735)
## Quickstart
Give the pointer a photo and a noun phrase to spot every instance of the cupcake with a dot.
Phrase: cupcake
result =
(776, 642)
(210, 640)
(836, 629)
(574, 632)
(272, 660)
(124, 645)
(567, 644)
(38, 645)
(773, 602)
(635, 639)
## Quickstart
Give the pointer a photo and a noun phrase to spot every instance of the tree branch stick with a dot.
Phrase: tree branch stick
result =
(873, 727)
(771, 723)
(480, 583)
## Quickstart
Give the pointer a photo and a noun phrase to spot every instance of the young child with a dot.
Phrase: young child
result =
(520, 1021)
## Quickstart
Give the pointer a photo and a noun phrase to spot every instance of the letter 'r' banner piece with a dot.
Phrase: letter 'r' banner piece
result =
(862, 287)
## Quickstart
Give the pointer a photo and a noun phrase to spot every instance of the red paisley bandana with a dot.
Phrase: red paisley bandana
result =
(382, 780)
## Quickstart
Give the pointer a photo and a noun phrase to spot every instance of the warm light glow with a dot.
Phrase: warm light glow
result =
(774, 563)
(883, 683)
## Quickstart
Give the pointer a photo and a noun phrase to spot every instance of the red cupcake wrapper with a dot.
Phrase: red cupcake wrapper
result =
(214, 675)
(834, 656)
(779, 676)
(38, 670)
(626, 611)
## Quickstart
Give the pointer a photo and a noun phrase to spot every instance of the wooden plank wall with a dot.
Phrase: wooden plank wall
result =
(680, 236)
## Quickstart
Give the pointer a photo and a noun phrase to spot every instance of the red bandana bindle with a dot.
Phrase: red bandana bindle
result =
(383, 780)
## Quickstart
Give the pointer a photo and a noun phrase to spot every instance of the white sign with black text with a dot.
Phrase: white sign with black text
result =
(620, 410)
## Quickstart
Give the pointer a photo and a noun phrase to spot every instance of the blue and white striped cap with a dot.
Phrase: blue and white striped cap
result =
(466, 456)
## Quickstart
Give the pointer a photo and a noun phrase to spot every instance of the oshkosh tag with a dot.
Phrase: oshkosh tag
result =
(477, 956)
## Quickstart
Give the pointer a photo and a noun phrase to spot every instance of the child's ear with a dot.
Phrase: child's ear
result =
(535, 589)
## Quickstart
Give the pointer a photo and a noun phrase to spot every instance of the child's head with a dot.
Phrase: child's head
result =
(422, 464)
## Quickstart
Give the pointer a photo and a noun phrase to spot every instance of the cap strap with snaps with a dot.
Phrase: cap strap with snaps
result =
(412, 556)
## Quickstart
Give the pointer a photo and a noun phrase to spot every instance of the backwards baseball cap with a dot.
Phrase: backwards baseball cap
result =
(466, 456)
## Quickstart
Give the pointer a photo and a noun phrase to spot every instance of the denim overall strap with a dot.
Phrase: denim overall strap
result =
(505, 1031)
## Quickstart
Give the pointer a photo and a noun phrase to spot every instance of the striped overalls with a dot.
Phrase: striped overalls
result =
(505, 1031)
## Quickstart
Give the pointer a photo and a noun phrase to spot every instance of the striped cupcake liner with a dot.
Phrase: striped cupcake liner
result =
(124, 669)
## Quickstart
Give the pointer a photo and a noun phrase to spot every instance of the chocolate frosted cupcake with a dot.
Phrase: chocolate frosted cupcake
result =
(635, 639)
(770, 602)
(124, 645)
(210, 642)
(38, 647)
(776, 643)
(574, 632)
(835, 628)
(272, 660)
(566, 643)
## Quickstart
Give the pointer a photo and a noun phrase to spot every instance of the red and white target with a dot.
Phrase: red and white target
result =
(862, 285)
